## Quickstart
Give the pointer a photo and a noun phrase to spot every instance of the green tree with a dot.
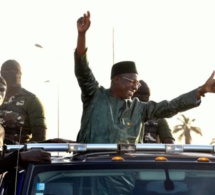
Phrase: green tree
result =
(186, 128)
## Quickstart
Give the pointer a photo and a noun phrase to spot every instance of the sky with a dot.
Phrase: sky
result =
(172, 43)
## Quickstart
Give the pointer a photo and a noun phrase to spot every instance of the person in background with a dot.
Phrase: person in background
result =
(22, 113)
(19, 157)
(153, 131)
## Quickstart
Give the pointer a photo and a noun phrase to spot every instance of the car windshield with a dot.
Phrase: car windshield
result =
(188, 179)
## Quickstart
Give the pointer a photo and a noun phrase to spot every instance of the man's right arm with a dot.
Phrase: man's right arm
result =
(83, 73)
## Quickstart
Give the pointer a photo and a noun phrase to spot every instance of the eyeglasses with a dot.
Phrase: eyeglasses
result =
(134, 82)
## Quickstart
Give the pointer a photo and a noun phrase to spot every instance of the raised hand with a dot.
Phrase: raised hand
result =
(208, 87)
(210, 84)
(83, 23)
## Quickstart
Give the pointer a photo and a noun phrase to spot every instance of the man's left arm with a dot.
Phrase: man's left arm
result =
(36, 114)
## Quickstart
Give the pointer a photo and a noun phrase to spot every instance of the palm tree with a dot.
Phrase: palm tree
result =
(212, 141)
(186, 129)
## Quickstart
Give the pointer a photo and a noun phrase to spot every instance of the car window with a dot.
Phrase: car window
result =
(124, 181)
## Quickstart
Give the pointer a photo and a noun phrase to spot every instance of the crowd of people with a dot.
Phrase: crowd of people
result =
(121, 113)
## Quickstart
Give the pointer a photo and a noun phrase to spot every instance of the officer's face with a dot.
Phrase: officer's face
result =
(12, 74)
(143, 97)
(3, 89)
(143, 93)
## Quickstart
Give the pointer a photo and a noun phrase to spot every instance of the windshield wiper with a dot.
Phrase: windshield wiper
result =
(168, 183)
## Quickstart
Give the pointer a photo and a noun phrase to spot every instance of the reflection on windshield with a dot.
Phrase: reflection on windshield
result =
(124, 181)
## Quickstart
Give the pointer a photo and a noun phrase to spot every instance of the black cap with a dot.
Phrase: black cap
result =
(123, 67)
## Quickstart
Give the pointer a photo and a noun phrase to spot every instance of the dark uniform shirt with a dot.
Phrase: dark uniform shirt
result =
(156, 131)
(23, 114)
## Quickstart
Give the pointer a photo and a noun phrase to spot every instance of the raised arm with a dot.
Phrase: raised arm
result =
(83, 73)
(83, 25)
